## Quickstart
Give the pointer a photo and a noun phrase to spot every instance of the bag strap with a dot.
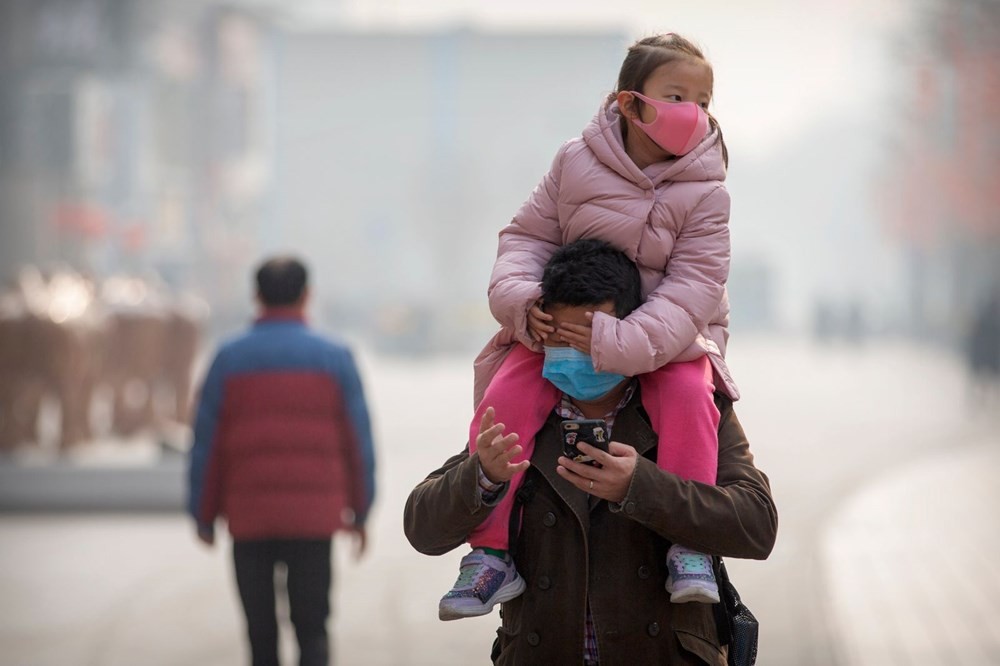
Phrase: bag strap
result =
(723, 610)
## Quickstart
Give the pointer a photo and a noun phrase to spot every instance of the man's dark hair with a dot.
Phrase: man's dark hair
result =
(281, 281)
(590, 272)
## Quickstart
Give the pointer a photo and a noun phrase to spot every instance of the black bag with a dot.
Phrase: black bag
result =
(737, 627)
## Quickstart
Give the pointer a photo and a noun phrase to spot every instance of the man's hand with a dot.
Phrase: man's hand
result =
(611, 480)
(578, 336)
(360, 542)
(206, 535)
(538, 323)
(496, 450)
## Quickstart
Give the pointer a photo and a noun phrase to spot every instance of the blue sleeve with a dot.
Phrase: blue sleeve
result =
(347, 377)
(205, 425)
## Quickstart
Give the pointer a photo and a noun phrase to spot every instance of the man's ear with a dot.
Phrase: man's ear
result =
(626, 103)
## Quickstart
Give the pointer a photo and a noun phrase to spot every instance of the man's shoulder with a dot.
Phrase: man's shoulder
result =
(296, 346)
(722, 402)
(231, 344)
(328, 342)
(302, 332)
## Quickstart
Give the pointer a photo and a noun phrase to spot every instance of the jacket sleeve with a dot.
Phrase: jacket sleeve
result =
(349, 380)
(685, 301)
(446, 506)
(203, 463)
(525, 246)
(734, 518)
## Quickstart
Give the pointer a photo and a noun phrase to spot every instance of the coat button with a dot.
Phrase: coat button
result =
(544, 582)
(630, 508)
(533, 639)
(653, 629)
(549, 520)
(643, 572)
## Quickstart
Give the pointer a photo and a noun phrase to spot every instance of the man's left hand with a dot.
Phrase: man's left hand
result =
(206, 535)
(611, 480)
(360, 542)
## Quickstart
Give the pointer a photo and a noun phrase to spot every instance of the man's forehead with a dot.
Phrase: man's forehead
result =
(574, 312)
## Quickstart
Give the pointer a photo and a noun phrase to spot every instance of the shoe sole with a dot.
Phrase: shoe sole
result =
(693, 594)
(505, 593)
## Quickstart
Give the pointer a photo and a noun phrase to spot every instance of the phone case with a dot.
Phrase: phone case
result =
(591, 431)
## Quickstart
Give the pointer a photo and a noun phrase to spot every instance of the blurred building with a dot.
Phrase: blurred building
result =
(400, 156)
(187, 138)
(135, 136)
(943, 201)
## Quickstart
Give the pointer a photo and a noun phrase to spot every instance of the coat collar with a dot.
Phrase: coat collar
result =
(604, 138)
(629, 422)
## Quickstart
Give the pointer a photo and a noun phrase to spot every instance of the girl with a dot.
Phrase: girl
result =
(647, 177)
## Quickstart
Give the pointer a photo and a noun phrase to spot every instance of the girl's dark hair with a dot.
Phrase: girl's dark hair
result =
(649, 53)
(281, 281)
(591, 272)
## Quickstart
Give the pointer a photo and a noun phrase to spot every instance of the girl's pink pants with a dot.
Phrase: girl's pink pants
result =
(677, 397)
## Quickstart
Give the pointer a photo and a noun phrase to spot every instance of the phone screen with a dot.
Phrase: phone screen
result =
(591, 431)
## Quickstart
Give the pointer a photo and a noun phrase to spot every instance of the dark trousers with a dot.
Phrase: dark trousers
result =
(308, 564)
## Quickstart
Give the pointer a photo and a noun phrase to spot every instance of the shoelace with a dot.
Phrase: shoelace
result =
(467, 575)
(686, 563)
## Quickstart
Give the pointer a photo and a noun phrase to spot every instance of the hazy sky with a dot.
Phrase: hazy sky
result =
(781, 65)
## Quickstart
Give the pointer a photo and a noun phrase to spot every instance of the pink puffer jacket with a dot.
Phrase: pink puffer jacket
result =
(671, 218)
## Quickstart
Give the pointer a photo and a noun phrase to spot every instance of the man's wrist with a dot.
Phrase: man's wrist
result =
(617, 507)
(489, 491)
(485, 483)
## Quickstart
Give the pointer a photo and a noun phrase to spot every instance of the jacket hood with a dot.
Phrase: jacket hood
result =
(603, 135)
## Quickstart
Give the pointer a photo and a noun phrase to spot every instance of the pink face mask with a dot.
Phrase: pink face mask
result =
(678, 126)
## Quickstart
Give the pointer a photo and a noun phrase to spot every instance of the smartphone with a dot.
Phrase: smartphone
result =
(591, 431)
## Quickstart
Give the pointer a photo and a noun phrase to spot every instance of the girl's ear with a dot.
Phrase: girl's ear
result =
(626, 103)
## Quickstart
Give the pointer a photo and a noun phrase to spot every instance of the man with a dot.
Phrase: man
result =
(283, 450)
(591, 541)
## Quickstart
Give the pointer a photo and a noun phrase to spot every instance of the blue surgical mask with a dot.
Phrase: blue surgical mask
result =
(573, 373)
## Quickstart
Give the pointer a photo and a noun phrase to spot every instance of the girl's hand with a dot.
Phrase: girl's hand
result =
(578, 336)
(611, 480)
(538, 326)
(496, 450)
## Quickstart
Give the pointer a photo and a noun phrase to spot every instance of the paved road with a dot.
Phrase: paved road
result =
(840, 430)
(910, 564)
(828, 423)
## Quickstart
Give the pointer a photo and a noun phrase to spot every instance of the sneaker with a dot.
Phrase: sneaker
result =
(483, 582)
(690, 576)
